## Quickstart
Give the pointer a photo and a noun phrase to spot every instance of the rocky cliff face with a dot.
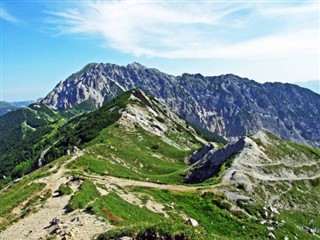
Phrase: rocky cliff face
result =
(199, 154)
(228, 105)
(211, 162)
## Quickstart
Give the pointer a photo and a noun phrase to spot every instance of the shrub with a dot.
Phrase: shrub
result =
(155, 147)
(64, 190)
(220, 201)
(258, 141)
(315, 182)
(160, 119)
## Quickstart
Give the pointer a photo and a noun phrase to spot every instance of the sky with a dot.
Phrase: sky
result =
(43, 42)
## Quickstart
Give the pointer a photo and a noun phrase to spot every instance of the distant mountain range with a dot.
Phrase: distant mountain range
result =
(227, 105)
(313, 85)
(8, 106)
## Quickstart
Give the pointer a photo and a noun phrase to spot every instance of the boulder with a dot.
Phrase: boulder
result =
(270, 229)
(271, 235)
(125, 238)
(192, 222)
(274, 210)
(55, 221)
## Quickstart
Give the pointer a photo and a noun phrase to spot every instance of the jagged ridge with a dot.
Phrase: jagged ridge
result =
(228, 105)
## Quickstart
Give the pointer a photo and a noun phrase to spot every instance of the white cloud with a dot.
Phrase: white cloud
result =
(5, 15)
(265, 47)
(309, 7)
(208, 30)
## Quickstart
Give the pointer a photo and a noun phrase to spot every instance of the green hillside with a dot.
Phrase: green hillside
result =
(5, 107)
(25, 133)
(127, 180)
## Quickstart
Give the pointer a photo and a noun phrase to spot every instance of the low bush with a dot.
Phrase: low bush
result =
(64, 190)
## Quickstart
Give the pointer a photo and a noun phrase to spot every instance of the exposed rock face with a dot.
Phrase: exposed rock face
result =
(196, 156)
(154, 118)
(92, 83)
(266, 164)
(227, 105)
(211, 162)
(242, 180)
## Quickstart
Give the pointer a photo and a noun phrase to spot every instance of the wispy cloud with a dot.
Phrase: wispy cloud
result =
(311, 7)
(5, 15)
(197, 29)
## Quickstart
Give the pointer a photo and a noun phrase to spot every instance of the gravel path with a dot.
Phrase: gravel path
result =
(76, 225)
(123, 182)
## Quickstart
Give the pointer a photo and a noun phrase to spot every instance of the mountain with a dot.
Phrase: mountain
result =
(9, 106)
(313, 85)
(132, 176)
(23, 136)
(227, 105)
(40, 134)
(5, 107)
(22, 103)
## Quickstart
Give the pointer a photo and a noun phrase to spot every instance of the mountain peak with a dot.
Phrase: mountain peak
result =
(136, 65)
(228, 105)
(233, 77)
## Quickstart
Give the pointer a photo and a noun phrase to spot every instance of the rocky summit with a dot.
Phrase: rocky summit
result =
(227, 105)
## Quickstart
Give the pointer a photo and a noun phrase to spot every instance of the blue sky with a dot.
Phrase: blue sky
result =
(43, 42)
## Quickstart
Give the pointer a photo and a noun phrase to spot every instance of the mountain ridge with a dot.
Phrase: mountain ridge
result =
(6, 107)
(126, 178)
(313, 85)
(40, 134)
(228, 105)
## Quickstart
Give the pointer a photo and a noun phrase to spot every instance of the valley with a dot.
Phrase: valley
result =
(131, 179)
(159, 120)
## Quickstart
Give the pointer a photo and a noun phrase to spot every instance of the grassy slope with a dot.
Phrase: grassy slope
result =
(137, 154)
(115, 152)
(25, 133)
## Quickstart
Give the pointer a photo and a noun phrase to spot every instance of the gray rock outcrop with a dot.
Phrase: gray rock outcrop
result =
(242, 181)
(211, 162)
(197, 155)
